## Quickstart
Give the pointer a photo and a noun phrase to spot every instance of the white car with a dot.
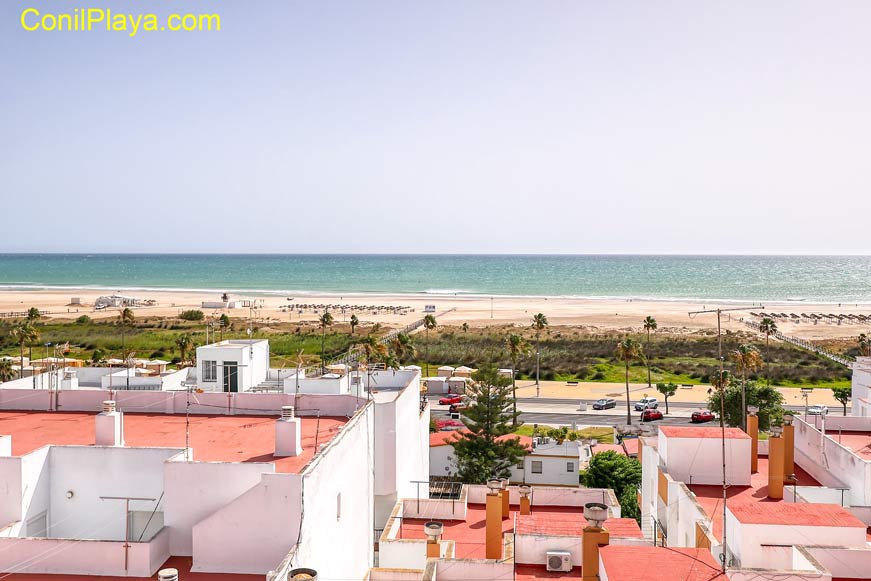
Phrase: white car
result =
(646, 403)
(817, 410)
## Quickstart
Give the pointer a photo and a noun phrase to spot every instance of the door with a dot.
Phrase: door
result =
(231, 376)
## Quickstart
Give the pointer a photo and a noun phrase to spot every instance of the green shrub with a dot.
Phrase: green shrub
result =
(192, 315)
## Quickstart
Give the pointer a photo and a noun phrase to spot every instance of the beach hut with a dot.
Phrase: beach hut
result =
(156, 365)
(509, 373)
(436, 385)
(463, 371)
(445, 371)
(457, 385)
(338, 368)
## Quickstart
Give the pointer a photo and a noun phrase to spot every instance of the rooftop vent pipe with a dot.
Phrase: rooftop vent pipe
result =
(433, 532)
(302, 574)
(287, 411)
(288, 433)
(109, 426)
(108, 406)
(167, 574)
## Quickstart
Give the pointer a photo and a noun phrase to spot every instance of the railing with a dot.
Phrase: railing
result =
(845, 361)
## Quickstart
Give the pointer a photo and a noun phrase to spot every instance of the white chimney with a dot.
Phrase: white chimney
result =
(167, 575)
(109, 426)
(5, 446)
(288, 434)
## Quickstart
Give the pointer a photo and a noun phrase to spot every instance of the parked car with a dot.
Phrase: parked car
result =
(459, 407)
(604, 403)
(650, 415)
(817, 410)
(450, 400)
(702, 416)
(646, 403)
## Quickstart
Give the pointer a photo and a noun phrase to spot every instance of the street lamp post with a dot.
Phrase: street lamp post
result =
(537, 366)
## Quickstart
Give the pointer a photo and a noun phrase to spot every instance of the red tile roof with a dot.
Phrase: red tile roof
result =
(858, 442)
(792, 514)
(572, 525)
(701, 432)
(631, 563)
(598, 448)
(213, 438)
(448, 437)
(630, 445)
(183, 564)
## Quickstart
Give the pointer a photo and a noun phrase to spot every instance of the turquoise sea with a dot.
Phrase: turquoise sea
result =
(835, 279)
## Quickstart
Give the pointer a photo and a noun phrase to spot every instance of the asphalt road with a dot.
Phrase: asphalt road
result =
(581, 419)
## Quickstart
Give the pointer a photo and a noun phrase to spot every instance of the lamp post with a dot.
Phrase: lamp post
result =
(537, 366)
(805, 392)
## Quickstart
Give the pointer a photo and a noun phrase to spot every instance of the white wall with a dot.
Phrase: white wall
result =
(683, 512)
(700, 460)
(466, 570)
(842, 562)
(195, 490)
(251, 357)
(552, 496)
(532, 549)
(861, 387)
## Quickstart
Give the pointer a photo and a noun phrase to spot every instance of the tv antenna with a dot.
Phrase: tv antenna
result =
(722, 390)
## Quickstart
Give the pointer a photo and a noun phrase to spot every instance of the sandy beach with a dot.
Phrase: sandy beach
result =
(594, 314)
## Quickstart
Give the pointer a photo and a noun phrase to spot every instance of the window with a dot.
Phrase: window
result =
(536, 466)
(570, 466)
(210, 371)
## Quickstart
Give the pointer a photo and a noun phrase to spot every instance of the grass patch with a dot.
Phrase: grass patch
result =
(604, 435)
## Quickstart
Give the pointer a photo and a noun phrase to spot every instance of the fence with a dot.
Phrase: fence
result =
(845, 361)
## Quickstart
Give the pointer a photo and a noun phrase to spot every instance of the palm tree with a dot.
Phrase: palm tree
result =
(649, 325)
(6, 371)
(516, 347)
(354, 322)
(184, 344)
(539, 323)
(33, 314)
(403, 348)
(720, 380)
(22, 334)
(864, 345)
(628, 350)
(747, 359)
(126, 317)
(429, 322)
(326, 320)
(373, 349)
(768, 328)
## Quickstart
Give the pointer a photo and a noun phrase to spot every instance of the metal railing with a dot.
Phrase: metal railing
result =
(807, 345)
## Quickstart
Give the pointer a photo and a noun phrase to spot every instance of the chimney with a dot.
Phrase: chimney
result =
(506, 500)
(525, 504)
(288, 433)
(788, 445)
(775, 464)
(109, 426)
(753, 432)
(595, 536)
(433, 532)
(494, 520)
(302, 573)
(167, 575)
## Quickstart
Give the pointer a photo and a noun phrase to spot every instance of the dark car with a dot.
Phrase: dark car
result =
(451, 400)
(604, 403)
(702, 416)
(650, 415)
(458, 407)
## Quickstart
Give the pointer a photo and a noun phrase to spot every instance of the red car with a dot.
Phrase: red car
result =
(650, 415)
(702, 416)
(451, 400)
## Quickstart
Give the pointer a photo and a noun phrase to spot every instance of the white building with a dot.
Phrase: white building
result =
(234, 365)
(861, 396)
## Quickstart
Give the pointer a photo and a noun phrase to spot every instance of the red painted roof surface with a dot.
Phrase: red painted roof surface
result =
(470, 534)
(631, 563)
(572, 525)
(630, 445)
(448, 437)
(711, 496)
(183, 564)
(213, 438)
(535, 572)
(792, 514)
(702, 432)
(609, 447)
(858, 442)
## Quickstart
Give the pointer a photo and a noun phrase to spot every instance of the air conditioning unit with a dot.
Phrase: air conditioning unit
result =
(559, 561)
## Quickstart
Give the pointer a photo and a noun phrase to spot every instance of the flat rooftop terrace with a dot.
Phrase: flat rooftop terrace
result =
(710, 497)
(469, 535)
(183, 564)
(858, 442)
(213, 438)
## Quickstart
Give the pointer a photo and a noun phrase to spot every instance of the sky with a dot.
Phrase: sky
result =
(457, 126)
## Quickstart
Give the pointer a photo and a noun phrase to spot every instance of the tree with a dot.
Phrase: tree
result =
(402, 347)
(765, 397)
(649, 325)
(184, 344)
(628, 350)
(33, 315)
(843, 395)
(354, 322)
(768, 328)
(617, 472)
(429, 322)
(667, 390)
(6, 371)
(224, 323)
(98, 358)
(326, 320)
(864, 345)
(192, 315)
(539, 323)
(482, 451)
(465, 327)
(23, 334)
(516, 347)
(747, 359)
(126, 317)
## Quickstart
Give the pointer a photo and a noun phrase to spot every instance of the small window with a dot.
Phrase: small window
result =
(339, 506)
(520, 466)
(570, 466)
(210, 371)
(536, 466)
